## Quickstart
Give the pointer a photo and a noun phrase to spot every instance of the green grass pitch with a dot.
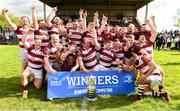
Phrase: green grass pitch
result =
(11, 95)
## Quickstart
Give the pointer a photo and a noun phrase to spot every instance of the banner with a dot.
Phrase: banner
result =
(74, 84)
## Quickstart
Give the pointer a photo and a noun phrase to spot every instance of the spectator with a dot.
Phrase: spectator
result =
(177, 42)
(169, 40)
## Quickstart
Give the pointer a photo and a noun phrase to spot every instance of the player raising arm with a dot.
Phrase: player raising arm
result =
(20, 31)
(35, 64)
(87, 54)
(57, 22)
(40, 28)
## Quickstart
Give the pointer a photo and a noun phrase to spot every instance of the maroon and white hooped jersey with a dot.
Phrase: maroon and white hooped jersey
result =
(21, 32)
(100, 40)
(44, 35)
(120, 55)
(142, 65)
(119, 52)
(53, 27)
(106, 57)
(135, 48)
(32, 53)
(149, 48)
(50, 52)
(107, 37)
(88, 57)
(64, 41)
(87, 34)
(146, 33)
(76, 37)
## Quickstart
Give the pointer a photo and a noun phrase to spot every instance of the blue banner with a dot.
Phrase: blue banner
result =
(74, 84)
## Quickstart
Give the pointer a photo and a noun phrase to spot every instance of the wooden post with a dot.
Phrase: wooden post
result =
(146, 14)
(44, 9)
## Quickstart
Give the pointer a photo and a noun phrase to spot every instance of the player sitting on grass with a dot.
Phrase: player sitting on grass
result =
(35, 64)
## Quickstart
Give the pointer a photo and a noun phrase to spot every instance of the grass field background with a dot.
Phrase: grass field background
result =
(11, 95)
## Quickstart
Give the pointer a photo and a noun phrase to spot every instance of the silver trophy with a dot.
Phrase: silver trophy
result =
(91, 90)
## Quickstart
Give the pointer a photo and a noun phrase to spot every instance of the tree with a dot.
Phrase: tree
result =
(4, 24)
(177, 19)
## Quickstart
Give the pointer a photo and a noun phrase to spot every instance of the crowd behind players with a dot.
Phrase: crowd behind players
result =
(168, 40)
(51, 46)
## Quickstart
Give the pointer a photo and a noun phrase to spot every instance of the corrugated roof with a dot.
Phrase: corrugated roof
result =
(136, 3)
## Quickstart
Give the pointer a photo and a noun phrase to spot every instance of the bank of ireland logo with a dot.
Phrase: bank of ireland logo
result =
(128, 79)
(55, 82)
(56, 79)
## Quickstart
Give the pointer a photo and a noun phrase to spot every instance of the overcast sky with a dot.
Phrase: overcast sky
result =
(164, 10)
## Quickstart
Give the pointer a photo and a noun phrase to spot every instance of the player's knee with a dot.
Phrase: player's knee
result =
(38, 85)
(161, 70)
(46, 77)
(24, 76)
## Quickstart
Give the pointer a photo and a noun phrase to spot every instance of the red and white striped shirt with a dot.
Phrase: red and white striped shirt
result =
(87, 34)
(32, 53)
(44, 35)
(135, 48)
(64, 41)
(76, 37)
(20, 32)
(120, 55)
(50, 52)
(100, 40)
(106, 37)
(88, 57)
(146, 33)
(143, 65)
(106, 57)
(53, 27)
(149, 48)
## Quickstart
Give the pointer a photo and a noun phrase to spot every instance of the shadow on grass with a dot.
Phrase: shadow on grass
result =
(11, 87)
(174, 54)
(103, 102)
(175, 97)
(170, 63)
(115, 101)
(177, 107)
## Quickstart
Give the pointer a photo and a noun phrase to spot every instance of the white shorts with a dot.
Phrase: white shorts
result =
(23, 55)
(114, 68)
(99, 67)
(155, 80)
(36, 73)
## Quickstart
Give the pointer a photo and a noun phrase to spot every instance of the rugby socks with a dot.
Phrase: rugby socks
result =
(155, 93)
(24, 87)
(141, 89)
(138, 97)
(160, 88)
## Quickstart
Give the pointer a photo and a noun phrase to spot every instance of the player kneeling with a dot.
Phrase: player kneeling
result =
(35, 65)
(149, 75)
